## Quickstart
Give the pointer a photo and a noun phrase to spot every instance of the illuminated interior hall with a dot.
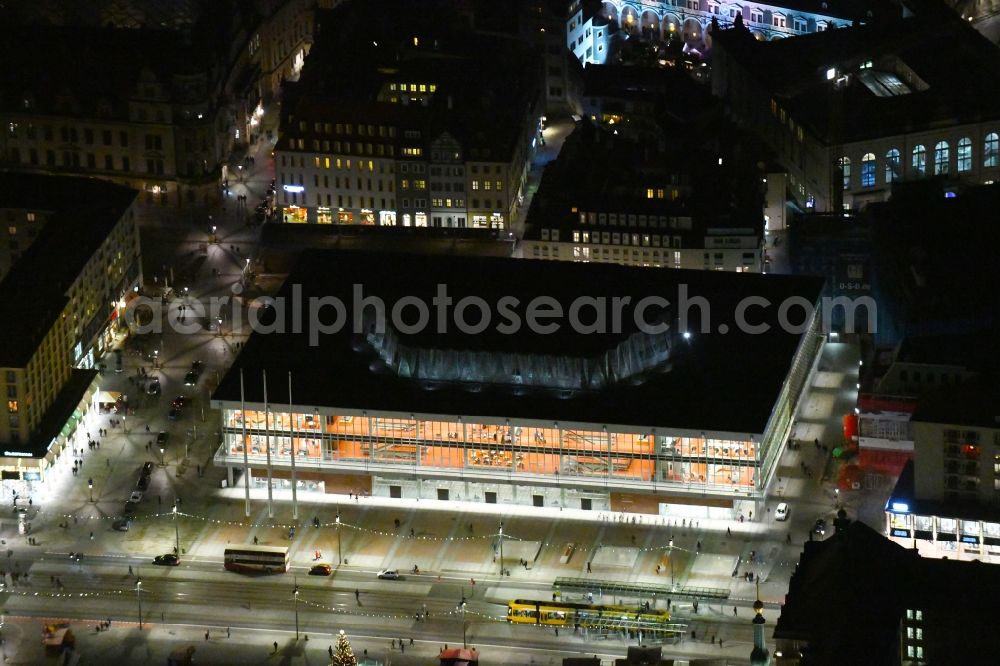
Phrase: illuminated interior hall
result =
(651, 422)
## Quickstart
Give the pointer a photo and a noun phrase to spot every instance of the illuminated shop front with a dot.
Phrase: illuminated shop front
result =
(367, 217)
(387, 218)
(295, 214)
(938, 529)
(324, 215)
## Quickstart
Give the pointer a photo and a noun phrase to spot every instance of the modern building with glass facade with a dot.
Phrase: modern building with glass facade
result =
(673, 420)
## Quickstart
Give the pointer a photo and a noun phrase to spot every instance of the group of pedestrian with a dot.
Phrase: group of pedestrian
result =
(105, 625)
(402, 645)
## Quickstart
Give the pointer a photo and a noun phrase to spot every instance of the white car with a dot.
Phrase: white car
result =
(388, 574)
(781, 513)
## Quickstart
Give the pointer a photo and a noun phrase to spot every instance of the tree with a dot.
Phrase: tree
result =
(343, 655)
(738, 23)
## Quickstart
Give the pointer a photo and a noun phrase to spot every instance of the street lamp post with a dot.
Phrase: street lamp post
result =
(501, 547)
(177, 534)
(90, 484)
(670, 546)
(340, 553)
(465, 627)
(138, 598)
(162, 463)
(296, 594)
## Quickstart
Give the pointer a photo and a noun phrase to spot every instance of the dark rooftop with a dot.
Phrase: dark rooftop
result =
(360, 49)
(33, 293)
(974, 351)
(94, 71)
(972, 403)
(701, 389)
(849, 594)
(960, 88)
(598, 171)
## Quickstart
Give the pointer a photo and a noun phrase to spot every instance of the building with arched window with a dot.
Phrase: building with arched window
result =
(589, 35)
(871, 96)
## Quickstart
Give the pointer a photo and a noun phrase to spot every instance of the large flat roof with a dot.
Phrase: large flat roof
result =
(713, 381)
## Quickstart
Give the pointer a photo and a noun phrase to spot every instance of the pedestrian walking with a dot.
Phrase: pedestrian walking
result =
(206, 635)
(130, 570)
(729, 532)
(227, 632)
(411, 641)
(357, 596)
(329, 651)
(275, 647)
(734, 611)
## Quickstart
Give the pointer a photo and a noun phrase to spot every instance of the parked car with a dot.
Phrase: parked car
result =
(320, 570)
(130, 508)
(173, 413)
(143, 483)
(136, 496)
(181, 402)
(388, 574)
(153, 388)
(147, 469)
(191, 378)
(781, 513)
(167, 560)
(161, 438)
(819, 527)
(122, 525)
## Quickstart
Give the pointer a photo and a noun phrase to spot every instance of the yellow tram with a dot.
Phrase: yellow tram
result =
(560, 614)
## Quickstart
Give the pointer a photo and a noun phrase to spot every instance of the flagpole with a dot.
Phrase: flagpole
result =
(267, 428)
(246, 445)
(291, 439)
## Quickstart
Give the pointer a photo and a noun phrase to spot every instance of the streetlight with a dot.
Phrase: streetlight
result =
(340, 554)
(501, 547)
(90, 484)
(138, 598)
(670, 546)
(156, 358)
(296, 593)
(162, 464)
(177, 534)
(465, 643)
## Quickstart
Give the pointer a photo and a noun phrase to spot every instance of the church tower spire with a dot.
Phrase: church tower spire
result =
(759, 656)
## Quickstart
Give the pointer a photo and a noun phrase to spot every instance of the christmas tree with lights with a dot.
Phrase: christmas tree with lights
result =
(343, 655)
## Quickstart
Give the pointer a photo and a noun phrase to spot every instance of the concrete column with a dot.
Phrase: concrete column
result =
(465, 443)
(416, 432)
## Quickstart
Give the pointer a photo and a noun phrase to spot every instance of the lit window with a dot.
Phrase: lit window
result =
(941, 156)
(845, 169)
(649, 193)
(892, 166)
(964, 154)
(919, 162)
(12, 406)
(991, 150)
(868, 170)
